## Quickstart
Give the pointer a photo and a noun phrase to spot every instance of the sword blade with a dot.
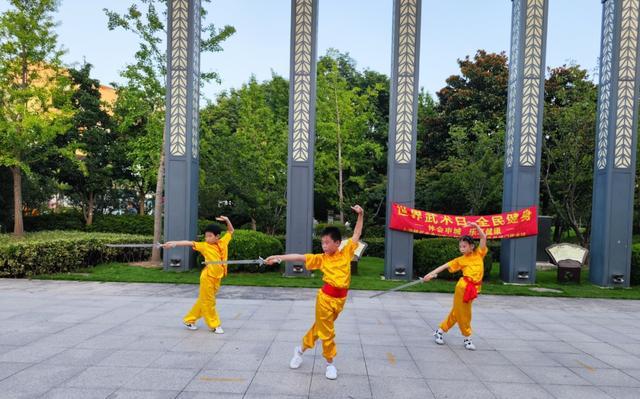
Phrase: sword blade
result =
(258, 261)
(400, 287)
(132, 245)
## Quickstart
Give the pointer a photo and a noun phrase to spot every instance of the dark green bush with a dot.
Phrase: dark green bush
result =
(249, 244)
(635, 265)
(429, 253)
(125, 224)
(67, 220)
(64, 251)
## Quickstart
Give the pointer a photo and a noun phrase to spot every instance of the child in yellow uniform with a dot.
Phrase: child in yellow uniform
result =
(335, 265)
(213, 248)
(467, 289)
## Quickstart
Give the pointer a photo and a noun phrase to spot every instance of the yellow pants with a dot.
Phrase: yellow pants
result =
(327, 310)
(460, 313)
(205, 306)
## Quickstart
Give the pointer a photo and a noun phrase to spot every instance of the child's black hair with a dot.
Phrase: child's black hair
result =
(214, 229)
(332, 232)
(468, 239)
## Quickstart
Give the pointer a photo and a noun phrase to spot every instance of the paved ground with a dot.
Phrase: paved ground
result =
(96, 340)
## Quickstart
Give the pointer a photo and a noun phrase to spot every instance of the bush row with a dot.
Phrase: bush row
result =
(64, 251)
(50, 252)
(126, 224)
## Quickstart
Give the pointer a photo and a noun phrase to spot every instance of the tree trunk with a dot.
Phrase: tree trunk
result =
(557, 231)
(141, 197)
(157, 211)
(254, 227)
(18, 225)
(340, 193)
(90, 206)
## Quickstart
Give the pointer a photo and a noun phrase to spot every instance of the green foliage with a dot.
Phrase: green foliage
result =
(124, 224)
(50, 252)
(568, 148)
(247, 244)
(140, 107)
(246, 166)
(345, 116)
(34, 91)
(429, 253)
(635, 265)
(67, 220)
(375, 246)
(86, 169)
(63, 251)
(477, 95)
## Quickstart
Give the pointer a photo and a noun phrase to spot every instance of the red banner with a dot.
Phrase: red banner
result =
(520, 223)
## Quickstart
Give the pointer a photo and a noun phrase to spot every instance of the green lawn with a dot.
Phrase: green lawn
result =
(368, 278)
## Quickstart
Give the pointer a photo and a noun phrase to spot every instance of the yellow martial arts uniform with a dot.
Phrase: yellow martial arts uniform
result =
(336, 271)
(472, 267)
(210, 279)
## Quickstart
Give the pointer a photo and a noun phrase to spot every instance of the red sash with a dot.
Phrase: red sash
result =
(334, 291)
(471, 291)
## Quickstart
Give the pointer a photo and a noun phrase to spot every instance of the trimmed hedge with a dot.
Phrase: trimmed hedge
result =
(249, 244)
(67, 251)
(125, 224)
(635, 265)
(429, 253)
(64, 251)
(69, 220)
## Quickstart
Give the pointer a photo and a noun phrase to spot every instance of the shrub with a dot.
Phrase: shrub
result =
(63, 251)
(249, 244)
(635, 265)
(429, 253)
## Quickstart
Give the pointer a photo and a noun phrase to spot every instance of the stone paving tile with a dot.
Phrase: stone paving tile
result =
(78, 340)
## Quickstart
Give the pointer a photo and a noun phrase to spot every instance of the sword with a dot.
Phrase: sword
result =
(156, 245)
(258, 261)
(397, 288)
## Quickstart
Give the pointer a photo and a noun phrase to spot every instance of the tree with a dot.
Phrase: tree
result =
(460, 139)
(247, 165)
(148, 76)
(477, 94)
(33, 91)
(87, 169)
(568, 148)
(346, 159)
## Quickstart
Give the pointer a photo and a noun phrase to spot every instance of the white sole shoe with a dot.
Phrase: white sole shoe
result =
(332, 372)
(439, 337)
(217, 330)
(468, 344)
(296, 360)
(190, 326)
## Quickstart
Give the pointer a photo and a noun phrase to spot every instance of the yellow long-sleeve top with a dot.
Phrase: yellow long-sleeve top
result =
(336, 268)
(472, 265)
(215, 252)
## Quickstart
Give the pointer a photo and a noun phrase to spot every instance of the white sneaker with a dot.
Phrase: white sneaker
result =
(217, 330)
(190, 326)
(468, 344)
(332, 372)
(439, 336)
(296, 360)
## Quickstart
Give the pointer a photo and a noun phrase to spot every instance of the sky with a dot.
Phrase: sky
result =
(451, 29)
